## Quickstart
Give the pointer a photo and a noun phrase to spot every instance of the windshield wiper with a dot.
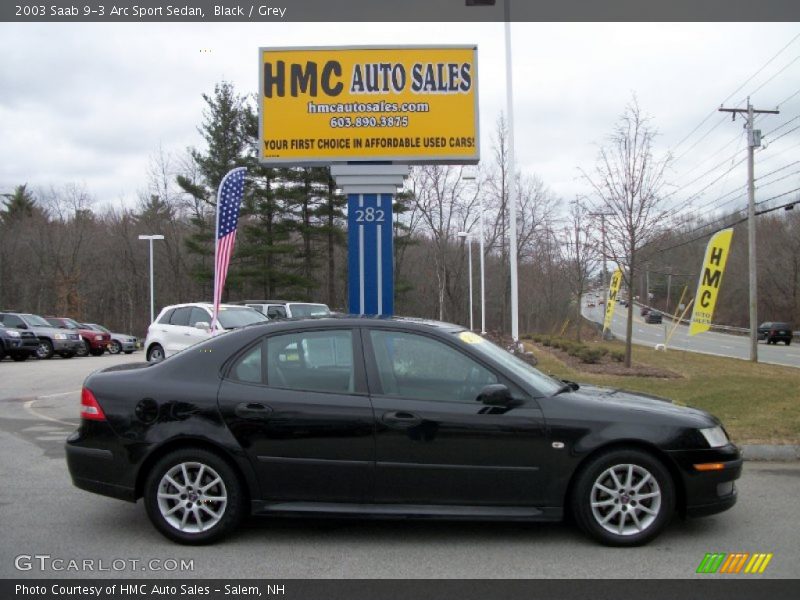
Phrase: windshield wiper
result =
(569, 386)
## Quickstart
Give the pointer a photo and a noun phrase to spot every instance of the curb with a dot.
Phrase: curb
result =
(770, 452)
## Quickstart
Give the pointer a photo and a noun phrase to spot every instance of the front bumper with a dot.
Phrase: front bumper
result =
(21, 345)
(127, 346)
(69, 346)
(709, 492)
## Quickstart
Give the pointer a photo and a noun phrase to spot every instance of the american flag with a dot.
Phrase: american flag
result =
(229, 199)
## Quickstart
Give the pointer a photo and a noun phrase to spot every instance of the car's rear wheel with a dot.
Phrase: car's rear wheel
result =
(193, 496)
(623, 497)
(155, 353)
(45, 349)
(114, 347)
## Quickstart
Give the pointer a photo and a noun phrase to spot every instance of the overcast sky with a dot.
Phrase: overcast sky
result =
(90, 103)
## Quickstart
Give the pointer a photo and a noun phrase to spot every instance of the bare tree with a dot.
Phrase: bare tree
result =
(627, 182)
(580, 254)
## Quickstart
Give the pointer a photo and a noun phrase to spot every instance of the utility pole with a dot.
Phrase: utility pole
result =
(669, 288)
(603, 237)
(753, 142)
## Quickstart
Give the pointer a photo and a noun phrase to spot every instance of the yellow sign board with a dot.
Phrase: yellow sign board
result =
(404, 104)
(710, 279)
(613, 293)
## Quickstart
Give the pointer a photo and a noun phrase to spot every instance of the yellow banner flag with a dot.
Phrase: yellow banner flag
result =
(710, 279)
(613, 292)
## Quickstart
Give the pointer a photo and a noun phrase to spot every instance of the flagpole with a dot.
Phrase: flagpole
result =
(215, 310)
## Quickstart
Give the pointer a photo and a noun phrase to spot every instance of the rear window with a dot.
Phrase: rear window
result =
(231, 318)
(309, 310)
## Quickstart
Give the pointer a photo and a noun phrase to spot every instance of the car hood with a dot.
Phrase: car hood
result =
(642, 402)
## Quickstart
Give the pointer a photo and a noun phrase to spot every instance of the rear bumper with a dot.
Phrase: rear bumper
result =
(98, 469)
(709, 492)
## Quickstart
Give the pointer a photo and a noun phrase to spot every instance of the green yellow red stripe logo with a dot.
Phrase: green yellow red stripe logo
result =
(734, 563)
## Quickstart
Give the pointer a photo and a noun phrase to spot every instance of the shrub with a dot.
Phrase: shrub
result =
(546, 341)
(618, 355)
(590, 355)
(603, 350)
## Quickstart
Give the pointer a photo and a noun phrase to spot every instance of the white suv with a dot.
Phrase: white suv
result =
(182, 325)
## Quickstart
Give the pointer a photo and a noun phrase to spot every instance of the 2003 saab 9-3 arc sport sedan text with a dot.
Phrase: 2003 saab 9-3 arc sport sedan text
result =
(387, 418)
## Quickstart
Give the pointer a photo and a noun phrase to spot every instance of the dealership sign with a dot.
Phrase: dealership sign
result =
(408, 105)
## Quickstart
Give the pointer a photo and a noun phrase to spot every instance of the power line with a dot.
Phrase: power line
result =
(794, 60)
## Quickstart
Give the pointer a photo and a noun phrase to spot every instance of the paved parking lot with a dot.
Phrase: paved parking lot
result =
(42, 513)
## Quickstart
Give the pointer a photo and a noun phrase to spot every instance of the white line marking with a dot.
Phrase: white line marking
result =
(361, 260)
(57, 395)
(380, 271)
(29, 407)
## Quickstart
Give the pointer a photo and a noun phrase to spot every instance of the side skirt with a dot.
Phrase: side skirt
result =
(407, 511)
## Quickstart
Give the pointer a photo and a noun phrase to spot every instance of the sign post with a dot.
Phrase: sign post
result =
(369, 112)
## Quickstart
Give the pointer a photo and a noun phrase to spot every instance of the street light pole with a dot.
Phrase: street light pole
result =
(150, 239)
(464, 234)
(512, 232)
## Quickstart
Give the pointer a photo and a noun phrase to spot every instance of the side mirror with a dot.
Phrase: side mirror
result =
(495, 394)
(204, 325)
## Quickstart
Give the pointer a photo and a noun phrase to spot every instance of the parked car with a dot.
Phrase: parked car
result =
(644, 310)
(51, 339)
(774, 332)
(19, 345)
(94, 342)
(182, 325)
(282, 309)
(389, 418)
(653, 317)
(120, 342)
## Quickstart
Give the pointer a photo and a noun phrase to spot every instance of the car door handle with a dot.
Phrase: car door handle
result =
(252, 410)
(401, 417)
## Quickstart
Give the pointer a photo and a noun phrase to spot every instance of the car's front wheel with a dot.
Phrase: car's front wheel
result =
(623, 497)
(193, 496)
(83, 348)
(45, 349)
(114, 347)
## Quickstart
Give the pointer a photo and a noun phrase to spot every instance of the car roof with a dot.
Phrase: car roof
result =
(284, 302)
(339, 320)
(207, 305)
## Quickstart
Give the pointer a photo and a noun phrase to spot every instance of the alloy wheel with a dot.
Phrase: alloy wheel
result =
(625, 499)
(192, 497)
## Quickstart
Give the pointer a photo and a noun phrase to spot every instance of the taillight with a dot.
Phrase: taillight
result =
(90, 409)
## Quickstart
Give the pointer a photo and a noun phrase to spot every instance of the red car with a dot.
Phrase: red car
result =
(94, 342)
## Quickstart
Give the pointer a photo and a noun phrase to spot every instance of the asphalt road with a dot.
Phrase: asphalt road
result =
(43, 514)
(710, 342)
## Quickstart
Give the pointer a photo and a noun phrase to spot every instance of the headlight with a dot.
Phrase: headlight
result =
(13, 333)
(60, 336)
(715, 436)
(98, 337)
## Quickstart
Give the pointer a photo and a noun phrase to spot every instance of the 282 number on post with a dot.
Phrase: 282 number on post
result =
(369, 215)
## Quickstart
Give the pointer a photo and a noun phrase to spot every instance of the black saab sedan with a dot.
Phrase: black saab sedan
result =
(389, 418)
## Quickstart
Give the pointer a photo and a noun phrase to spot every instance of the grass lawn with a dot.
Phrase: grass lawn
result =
(757, 403)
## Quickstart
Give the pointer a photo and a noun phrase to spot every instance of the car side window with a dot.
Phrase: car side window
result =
(11, 321)
(164, 320)
(315, 361)
(199, 315)
(421, 368)
(258, 307)
(248, 367)
(181, 316)
(276, 312)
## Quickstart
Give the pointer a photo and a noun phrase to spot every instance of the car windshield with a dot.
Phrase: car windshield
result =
(100, 328)
(231, 318)
(72, 324)
(310, 310)
(35, 321)
(545, 384)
